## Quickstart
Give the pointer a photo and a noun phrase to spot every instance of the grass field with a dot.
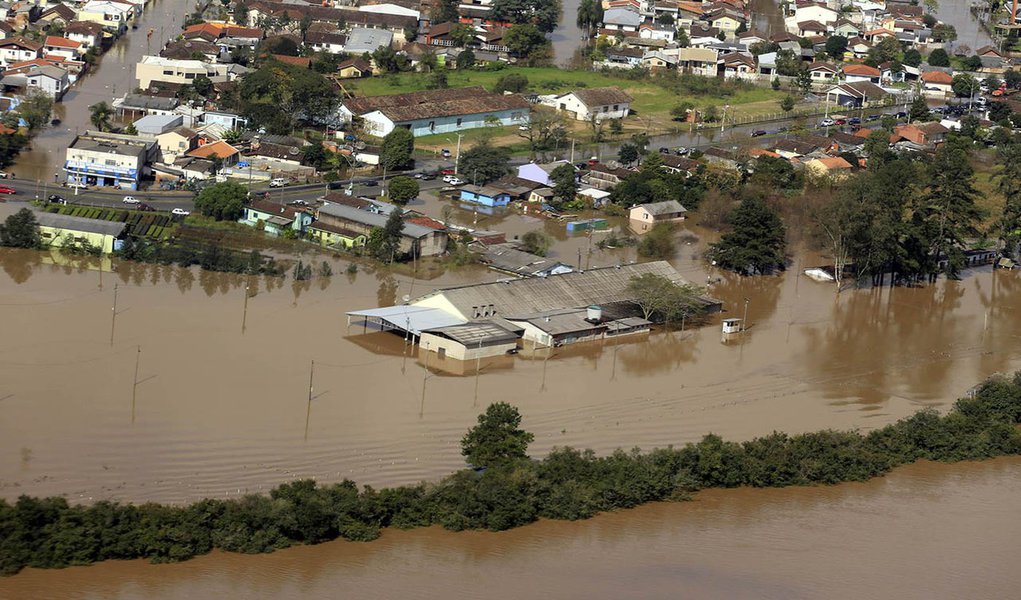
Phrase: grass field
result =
(650, 99)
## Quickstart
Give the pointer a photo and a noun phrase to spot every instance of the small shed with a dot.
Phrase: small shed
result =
(731, 326)
(157, 124)
(472, 340)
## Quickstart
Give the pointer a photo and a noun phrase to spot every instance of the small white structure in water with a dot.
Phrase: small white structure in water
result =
(731, 326)
(817, 274)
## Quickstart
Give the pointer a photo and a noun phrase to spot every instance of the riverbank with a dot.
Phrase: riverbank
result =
(511, 492)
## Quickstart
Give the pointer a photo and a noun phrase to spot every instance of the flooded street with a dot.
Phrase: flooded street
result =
(969, 32)
(112, 77)
(220, 413)
(927, 531)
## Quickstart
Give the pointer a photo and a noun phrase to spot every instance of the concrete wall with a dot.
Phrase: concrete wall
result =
(455, 350)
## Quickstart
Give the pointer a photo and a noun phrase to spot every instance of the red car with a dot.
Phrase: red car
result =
(6, 190)
(447, 172)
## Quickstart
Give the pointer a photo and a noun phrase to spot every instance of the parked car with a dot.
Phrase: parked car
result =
(873, 117)
(429, 176)
(453, 180)
(370, 183)
(130, 200)
(76, 185)
(827, 122)
(445, 153)
(180, 212)
(145, 207)
(664, 150)
(854, 121)
(278, 182)
(57, 198)
(593, 161)
(681, 151)
(7, 190)
(4, 175)
(901, 115)
(759, 133)
(840, 121)
(446, 171)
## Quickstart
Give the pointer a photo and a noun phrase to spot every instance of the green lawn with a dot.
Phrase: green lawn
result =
(650, 99)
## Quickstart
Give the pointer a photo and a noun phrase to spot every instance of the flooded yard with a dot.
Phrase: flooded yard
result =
(220, 412)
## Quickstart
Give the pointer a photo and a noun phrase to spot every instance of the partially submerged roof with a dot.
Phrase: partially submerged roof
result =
(478, 334)
(666, 207)
(413, 319)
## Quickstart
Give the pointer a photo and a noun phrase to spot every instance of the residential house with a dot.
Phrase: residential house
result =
(820, 71)
(811, 29)
(56, 230)
(604, 177)
(484, 195)
(52, 81)
(624, 55)
(159, 69)
(657, 31)
(507, 258)
(738, 66)
(63, 47)
(136, 105)
(18, 49)
(205, 32)
(991, 57)
(326, 41)
(857, 94)
(657, 60)
(416, 240)
(586, 104)
(937, 82)
(58, 14)
(109, 159)
(191, 50)
(679, 164)
(727, 20)
(833, 167)
(812, 11)
(644, 216)
(332, 236)
(88, 34)
(924, 134)
(855, 73)
(751, 37)
(177, 142)
(539, 173)
(224, 119)
(621, 19)
(274, 218)
(698, 61)
(846, 28)
(156, 125)
(354, 68)
(112, 15)
(800, 146)
(892, 72)
(217, 151)
(436, 111)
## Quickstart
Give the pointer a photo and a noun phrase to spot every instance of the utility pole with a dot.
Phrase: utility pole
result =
(134, 382)
(308, 409)
(425, 378)
(457, 155)
(244, 316)
(744, 321)
(113, 317)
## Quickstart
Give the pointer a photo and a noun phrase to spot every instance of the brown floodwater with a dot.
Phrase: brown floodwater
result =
(220, 412)
(927, 532)
(113, 77)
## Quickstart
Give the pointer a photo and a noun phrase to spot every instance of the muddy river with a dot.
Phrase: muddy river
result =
(925, 532)
(220, 412)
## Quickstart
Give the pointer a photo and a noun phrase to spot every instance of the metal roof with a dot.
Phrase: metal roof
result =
(477, 334)
(538, 294)
(409, 318)
(371, 219)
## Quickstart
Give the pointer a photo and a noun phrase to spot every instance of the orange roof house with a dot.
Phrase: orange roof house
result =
(224, 151)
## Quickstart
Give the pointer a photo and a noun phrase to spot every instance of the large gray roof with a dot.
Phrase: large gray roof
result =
(571, 290)
(66, 222)
(664, 208)
(365, 217)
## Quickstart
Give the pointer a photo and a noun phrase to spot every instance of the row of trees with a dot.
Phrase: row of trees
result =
(505, 489)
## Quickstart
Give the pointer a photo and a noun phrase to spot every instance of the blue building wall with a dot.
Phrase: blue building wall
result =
(453, 124)
(485, 200)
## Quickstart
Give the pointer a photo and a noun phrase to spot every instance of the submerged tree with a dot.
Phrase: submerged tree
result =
(497, 439)
(20, 230)
(757, 242)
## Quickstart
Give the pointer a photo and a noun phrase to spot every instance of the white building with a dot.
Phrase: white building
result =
(599, 103)
(157, 68)
(17, 49)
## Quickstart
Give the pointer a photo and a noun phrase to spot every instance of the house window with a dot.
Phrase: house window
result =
(616, 107)
(189, 76)
(459, 121)
(432, 125)
(606, 109)
(168, 71)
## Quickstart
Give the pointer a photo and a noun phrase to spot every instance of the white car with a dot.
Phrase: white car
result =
(130, 200)
(453, 180)
(278, 182)
(180, 212)
(827, 122)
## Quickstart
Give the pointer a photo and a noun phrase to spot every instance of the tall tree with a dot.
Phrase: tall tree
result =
(946, 214)
(402, 190)
(99, 115)
(1009, 184)
(484, 162)
(544, 14)
(396, 149)
(384, 242)
(565, 184)
(223, 201)
(757, 242)
(20, 230)
(497, 439)
(523, 39)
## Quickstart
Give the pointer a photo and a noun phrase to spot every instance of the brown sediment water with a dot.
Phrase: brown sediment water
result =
(218, 412)
(926, 531)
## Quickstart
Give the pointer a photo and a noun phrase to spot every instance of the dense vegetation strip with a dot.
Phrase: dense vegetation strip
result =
(505, 490)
